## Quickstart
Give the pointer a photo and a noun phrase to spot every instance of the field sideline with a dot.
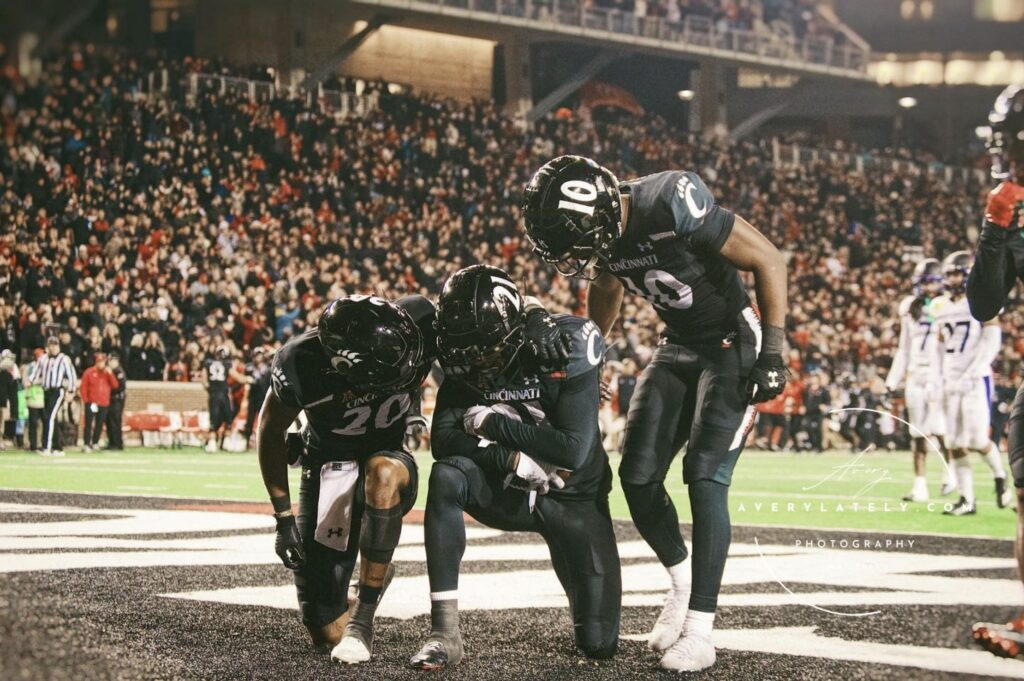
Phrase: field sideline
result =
(828, 491)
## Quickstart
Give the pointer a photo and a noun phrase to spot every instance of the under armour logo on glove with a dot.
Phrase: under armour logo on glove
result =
(767, 379)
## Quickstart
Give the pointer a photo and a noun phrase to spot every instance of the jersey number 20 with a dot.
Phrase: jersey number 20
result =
(389, 411)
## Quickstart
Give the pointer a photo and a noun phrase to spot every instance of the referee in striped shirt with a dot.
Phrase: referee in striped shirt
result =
(56, 374)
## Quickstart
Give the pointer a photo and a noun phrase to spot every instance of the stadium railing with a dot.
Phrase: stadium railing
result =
(784, 154)
(696, 35)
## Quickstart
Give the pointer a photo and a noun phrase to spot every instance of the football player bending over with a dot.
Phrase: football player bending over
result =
(964, 357)
(664, 238)
(912, 367)
(352, 376)
(998, 264)
(517, 447)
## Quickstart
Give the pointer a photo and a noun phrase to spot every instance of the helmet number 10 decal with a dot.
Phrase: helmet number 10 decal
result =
(581, 193)
(662, 290)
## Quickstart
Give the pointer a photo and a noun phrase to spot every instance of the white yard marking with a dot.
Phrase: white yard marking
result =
(883, 578)
(805, 642)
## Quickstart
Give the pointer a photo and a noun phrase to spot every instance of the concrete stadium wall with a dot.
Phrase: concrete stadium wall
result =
(290, 34)
(160, 396)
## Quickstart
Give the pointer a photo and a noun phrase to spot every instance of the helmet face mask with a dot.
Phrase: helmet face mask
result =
(572, 210)
(480, 324)
(955, 268)
(373, 344)
(928, 278)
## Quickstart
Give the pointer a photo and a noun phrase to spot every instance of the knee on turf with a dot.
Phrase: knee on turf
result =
(383, 476)
(322, 622)
(594, 642)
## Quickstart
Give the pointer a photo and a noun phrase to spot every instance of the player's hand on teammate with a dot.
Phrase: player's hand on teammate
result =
(473, 419)
(767, 379)
(1005, 207)
(288, 543)
(549, 344)
(537, 475)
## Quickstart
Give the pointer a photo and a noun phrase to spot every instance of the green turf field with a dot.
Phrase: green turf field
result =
(825, 491)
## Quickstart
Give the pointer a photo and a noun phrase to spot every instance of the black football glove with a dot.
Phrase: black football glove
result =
(767, 379)
(550, 344)
(288, 544)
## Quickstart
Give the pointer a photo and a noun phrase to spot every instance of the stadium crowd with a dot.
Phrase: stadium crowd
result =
(157, 228)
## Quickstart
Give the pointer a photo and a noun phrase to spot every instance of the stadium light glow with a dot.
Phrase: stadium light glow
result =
(686, 95)
(907, 102)
(983, 132)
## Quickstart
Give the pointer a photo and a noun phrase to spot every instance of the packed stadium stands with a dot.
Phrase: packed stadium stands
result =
(158, 226)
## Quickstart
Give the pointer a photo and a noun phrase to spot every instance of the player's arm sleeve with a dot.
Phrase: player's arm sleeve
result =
(697, 216)
(988, 349)
(448, 438)
(898, 369)
(993, 274)
(568, 437)
(283, 383)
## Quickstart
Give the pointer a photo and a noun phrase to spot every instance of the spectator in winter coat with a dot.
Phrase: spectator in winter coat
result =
(98, 382)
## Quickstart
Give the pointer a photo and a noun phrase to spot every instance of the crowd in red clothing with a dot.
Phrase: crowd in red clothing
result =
(159, 227)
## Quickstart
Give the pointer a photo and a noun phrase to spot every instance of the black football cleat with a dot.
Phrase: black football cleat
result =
(961, 508)
(435, 656)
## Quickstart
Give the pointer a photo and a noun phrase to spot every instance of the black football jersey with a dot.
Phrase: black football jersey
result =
(344, 423)
(542, 397)
(668, 254)
(217, 376)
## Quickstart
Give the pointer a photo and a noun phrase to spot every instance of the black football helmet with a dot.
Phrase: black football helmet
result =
(223, 352)
(373, 343)
(958, 262)
(480, 323)
(573, 214)
(927, 271)
(1006, 137)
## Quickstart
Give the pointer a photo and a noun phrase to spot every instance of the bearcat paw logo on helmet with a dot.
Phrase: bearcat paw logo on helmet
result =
(346, 359)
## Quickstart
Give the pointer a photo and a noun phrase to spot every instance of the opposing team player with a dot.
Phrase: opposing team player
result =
(912, 367)
(218, 374)
(998, 264)
(663, 237)
(965, 354)
(516, 446)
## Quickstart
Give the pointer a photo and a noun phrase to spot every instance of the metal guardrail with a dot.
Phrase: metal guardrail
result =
(696, 35)
(327, 101)
(794, 155)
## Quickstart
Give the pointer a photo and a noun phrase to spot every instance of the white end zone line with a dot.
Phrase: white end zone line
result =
(419, 506)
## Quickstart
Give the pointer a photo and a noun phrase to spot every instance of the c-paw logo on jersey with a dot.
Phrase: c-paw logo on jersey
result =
(685, 189)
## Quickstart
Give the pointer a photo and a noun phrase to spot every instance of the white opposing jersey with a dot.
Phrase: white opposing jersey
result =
(961, 334)
(922, 334)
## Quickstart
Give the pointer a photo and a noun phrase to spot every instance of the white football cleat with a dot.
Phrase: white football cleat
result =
(351, 650)
(947, 489)
(669, 625)
(691, 653)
